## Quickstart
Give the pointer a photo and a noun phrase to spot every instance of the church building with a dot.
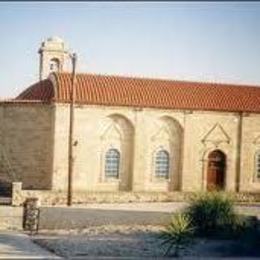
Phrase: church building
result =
(130, 134)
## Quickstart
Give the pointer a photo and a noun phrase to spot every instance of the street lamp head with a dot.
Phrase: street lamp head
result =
(72, 55)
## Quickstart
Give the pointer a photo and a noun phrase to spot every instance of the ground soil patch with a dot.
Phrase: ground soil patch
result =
(133, 241)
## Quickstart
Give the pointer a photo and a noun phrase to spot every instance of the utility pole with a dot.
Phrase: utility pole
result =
(71, 130)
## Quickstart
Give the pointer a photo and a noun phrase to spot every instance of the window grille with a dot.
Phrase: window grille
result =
(162, 164)
(112, 163)
(257, 165)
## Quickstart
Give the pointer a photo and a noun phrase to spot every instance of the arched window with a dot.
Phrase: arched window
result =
(54, 65)
(162, 164)
(257, 164)
(112, 163)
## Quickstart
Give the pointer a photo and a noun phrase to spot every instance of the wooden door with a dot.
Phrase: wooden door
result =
(216, 170)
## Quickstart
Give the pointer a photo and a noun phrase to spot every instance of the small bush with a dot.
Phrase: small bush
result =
(240, 225)
(245, 226)
(178, 234)
(212, 213)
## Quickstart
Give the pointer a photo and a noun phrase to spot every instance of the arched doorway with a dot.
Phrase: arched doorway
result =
(216, 170)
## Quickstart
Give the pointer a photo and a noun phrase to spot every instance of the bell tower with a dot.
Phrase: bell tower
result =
(53, 56)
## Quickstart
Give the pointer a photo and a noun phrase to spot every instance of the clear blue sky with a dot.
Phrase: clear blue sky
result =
(190, 41)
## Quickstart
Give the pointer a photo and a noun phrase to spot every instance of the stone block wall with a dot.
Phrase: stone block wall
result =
(189, 136)
(136, 133)
(35, 138)
(26, 141)
(249, 182)
(205, 132)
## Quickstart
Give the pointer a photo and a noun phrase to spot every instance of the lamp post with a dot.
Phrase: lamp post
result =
(71, 129)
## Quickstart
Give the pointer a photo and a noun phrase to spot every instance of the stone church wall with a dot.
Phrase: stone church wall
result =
(26, 144)
(35, 139)
(204, 133)
(136, 133)
(189, 136)
(250, 146)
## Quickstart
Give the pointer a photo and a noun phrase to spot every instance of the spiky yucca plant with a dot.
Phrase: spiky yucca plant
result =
(178, 234)
(211, 212)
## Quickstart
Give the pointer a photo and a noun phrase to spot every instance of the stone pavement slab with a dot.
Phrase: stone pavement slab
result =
(14, 245)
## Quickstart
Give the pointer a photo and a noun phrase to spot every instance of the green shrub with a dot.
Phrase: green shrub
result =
(212, 213)
(178, 234)
(244, 226)
(240, 224)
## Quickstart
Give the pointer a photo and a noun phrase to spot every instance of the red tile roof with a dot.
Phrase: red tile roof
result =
(141, 92)
(42, 90)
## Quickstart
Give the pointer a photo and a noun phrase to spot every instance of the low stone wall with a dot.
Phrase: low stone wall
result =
(46, 197)
(11, 218)
(49, 197)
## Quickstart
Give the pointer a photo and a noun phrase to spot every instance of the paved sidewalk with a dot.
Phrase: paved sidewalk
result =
(166, 207)
(137, 206)
(14, 245)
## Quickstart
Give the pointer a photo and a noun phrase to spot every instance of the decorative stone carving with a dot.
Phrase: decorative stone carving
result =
(162, 134)
(216, 135)
(112, 132)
